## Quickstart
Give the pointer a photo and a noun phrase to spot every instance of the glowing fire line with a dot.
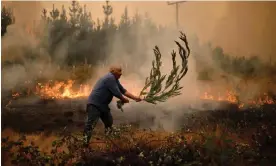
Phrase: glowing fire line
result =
(59, 90)
(232, 98)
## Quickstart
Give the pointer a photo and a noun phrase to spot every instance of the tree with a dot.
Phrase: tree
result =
(108, 10)
(7, 18)
(54, 13)
(125, 21)
(86, 23)
(137, 20)
(44, 14)
(63, 14)
(74, 15)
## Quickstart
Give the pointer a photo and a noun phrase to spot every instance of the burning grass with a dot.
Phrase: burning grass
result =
(232, 97)
(70, 89)
(56, 90)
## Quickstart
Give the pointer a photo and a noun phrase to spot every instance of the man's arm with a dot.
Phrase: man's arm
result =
(136, 98)
(126, 93)
(121, 88)
(114, 88)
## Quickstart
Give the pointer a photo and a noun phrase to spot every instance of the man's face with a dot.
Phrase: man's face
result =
(118, 73)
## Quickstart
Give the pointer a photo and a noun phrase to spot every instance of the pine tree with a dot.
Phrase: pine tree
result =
(63, 16)
(125, 21)
(74, 15)
(86, 23)
(7, 18)
(107, 12)
(54, 13)
(45, 18)
(137, 20)
(44, 14)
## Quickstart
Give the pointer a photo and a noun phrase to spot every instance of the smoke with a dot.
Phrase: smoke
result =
(16, 46)
(168, 115)
(249, 28)
(23, 56)
(28, 61)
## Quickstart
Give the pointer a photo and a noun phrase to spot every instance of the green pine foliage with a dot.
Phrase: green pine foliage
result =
(156, 79)
(159, 89)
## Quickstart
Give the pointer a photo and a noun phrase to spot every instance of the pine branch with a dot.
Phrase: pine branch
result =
(155, 81)
(153, 90)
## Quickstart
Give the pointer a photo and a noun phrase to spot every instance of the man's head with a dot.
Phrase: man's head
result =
(116, 71)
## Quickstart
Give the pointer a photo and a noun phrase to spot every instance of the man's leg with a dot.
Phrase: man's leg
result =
(93, 115)
(107, 119)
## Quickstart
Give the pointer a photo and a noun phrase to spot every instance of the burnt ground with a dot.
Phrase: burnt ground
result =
(41, 115)
(30, 115)
(34, 115)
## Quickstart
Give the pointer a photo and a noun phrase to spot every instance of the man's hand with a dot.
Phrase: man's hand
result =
(137, 99)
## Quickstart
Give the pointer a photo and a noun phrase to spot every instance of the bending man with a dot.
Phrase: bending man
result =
(99, 99)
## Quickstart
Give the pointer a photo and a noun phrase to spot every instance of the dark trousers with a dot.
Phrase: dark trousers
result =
(93, 115)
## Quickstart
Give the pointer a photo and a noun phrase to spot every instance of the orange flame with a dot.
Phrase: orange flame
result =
(62, 90)
(231, 97)
(15, 95)
(66, 89)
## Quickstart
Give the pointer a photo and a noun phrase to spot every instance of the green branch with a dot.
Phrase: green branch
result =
(153, 90)
(154, 82)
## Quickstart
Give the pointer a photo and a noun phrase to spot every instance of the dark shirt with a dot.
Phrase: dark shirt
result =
(104, 90)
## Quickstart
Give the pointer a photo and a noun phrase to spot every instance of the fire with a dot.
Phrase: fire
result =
(15, 95)
(57, 90)
(68, 89)
(231, 97)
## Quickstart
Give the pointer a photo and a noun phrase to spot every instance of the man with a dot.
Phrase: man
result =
(99, 99)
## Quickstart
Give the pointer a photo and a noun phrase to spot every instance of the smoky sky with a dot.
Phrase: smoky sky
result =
(240, 28)
(248, 28)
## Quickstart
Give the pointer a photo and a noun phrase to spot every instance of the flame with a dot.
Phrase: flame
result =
(15, 95)
(231, 97)
(68, 89)
(57, 90)
(65, 89)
